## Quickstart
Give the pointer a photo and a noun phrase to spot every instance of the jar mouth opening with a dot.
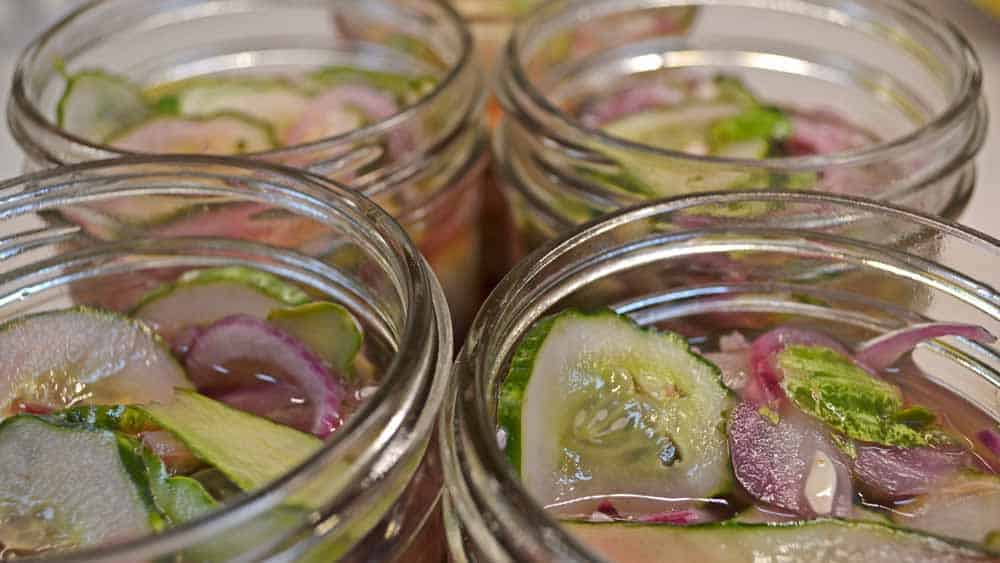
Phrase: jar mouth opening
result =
(424, 337)
(494, 487)
(966, 100)
(464, 64)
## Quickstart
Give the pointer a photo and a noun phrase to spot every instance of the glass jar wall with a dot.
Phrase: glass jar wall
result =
(384, 96)
(254, 232)
(853, 269)
(875, 99)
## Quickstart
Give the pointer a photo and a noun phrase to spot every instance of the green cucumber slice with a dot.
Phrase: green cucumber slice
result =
(328, 329)
(82, 355)
(249, 450)
(201, 297)
(967, 508)
(96, 104)
(732, 124)
(595, 405)
(179, 498)
(407, 89)
(273, 101)
(679, 128)
(260, 280)
(227, 133)
(829, 541)
(63, 488)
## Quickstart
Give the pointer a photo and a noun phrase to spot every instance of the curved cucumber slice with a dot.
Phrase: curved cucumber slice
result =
(680, 128)
(219, 134)
(328, 329)
(96, 104)
(407, 89)
(84, 356)
(595, 405)
(201, 297)
(249, 450)
(958, 509)
(830, 541)
(272, 101)
(64, 488)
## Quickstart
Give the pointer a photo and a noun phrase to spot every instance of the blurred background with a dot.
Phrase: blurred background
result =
(21, 20)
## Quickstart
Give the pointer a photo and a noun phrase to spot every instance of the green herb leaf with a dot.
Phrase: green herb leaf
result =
(757, 122)
(829, 386)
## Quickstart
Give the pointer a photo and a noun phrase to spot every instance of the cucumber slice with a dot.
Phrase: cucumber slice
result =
(84, 356)
(967, 508)
(201, 297)
(829, 541)
(275, 102)
(595, 405)
(732, 124)
(63, 488)
(407, 89)
(328, 329)
(179, 498)
(249, 450)
(219, 134)
(96, 104)
(680, 128)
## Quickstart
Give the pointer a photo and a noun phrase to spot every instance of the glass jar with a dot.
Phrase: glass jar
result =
(903, 78)
(373, 489)
(684, 264)
(423, 163)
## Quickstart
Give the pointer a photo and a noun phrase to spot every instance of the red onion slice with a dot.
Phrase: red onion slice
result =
(883, 351)
(258, 368)
(893, 473)
(790, 464)
(330, 113)
(632, 100)
(824, 132)
(677, 517)
(991, 439)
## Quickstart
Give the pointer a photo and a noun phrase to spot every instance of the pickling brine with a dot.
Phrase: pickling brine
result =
(734, 377)
(197, 389)
(353, 94)
(611, 103)
(787, 442)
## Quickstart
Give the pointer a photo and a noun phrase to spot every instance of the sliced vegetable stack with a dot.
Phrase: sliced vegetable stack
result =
(228, 115)
(715, 116)
(115, 426)
(791, 446)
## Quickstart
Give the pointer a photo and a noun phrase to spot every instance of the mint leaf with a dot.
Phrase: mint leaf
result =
(757, 122)
(830, 387)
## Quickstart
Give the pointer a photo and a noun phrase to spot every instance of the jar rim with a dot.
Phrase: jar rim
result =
(469, 435)
(967, 99)
(425, 338)
(19, 95)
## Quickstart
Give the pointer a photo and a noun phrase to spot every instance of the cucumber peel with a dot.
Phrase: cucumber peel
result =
(222, 133)
(594, 394)
(827, 540)
(263, 282)
(407, 89)
(276, 102)
(96, 103)
(260, 280)
(328, 329)
(65, 488)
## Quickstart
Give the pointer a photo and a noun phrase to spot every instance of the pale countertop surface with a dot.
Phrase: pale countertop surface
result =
(20, 20)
